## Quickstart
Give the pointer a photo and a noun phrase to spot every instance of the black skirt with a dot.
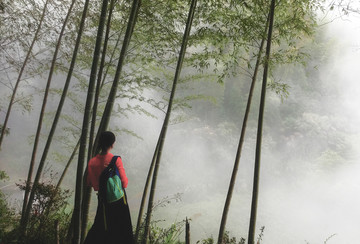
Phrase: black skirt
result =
(112, 224)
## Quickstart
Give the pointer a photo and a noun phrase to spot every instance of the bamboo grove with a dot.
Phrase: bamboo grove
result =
(126, 47)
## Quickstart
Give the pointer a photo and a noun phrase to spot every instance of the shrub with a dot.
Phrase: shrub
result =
(49, 220)
(8, 217)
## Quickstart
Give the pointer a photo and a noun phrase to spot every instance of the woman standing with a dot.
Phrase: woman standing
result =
(112, 222)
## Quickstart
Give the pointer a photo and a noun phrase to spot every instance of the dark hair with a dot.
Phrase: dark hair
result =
(106, 139)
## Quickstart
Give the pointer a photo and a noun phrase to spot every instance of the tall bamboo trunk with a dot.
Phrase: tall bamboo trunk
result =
(111, 98)
(255, 192)
(167, 117)
(67, 165)
(187, 231)
(41, 116)
(85, 127)
(110, 60)
(92, 148)
(25, 216)
(21, 73)
(146, 187)
(112, 95)
(241, 141)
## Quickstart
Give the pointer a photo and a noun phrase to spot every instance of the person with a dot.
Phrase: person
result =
(118, 222)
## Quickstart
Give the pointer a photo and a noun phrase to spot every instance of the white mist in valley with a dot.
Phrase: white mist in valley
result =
(307, 204)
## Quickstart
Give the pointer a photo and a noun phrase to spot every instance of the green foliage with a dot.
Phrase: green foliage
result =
(7, 220)
(281, 89)
(226, 240)
(160, 234)
(8, 217)
(222, 47)
(3, 175)
(232, 240)
(169, 235)
(49, 218)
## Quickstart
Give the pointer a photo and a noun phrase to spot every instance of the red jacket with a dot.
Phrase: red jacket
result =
(97, 164)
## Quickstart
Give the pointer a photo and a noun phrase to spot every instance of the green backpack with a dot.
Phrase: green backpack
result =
(110, 187)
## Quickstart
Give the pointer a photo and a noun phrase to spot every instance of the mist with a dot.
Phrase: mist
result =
(300, 200)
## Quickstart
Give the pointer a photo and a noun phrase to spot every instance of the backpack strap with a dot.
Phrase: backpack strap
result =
(113, 160)
(104, 214)
(111, 164)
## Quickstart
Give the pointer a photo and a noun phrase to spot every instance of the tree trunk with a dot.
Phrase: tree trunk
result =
(92, 148)
(91, 151)
(21, 73)
(241, 141)
(57, 230)
(187, 232)
(110, 61)
(255, 193)
(147, 183)
(25, 216)
(167, 117)
(111, 98)
(37, 136)
(67, 165)
(112, 95)
(85, 127)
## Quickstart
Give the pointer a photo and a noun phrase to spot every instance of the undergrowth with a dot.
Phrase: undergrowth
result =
(49, 221)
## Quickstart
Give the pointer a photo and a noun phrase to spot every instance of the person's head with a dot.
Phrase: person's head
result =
(106, 140)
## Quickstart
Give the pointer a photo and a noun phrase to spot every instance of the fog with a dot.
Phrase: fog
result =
(306, 205)
(298, 201)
